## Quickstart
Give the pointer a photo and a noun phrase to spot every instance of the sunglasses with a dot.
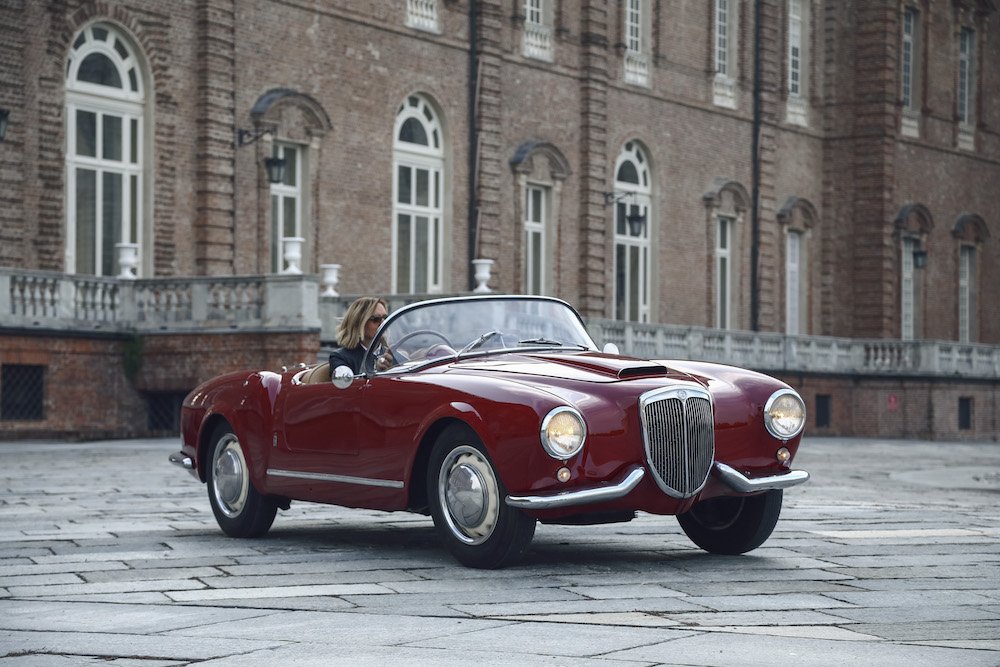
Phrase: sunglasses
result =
(377, 319)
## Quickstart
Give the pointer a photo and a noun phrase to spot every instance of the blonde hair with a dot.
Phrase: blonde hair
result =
(351, 330)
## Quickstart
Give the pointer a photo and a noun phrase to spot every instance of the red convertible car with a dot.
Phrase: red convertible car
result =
(500, 411)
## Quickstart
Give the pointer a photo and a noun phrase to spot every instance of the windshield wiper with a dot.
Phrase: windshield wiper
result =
(479, 341)
(546, 341)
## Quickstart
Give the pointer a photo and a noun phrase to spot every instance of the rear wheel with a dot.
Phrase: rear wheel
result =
(239, 508)
(732, 524)
(467, 503)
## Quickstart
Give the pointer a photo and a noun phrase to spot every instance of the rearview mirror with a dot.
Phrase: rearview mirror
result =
(343, 376)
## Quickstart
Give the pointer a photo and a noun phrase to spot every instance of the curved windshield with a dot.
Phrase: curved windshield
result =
(465, 327)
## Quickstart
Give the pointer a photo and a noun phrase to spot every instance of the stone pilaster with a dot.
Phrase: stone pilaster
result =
(214, 225)
(595, 298)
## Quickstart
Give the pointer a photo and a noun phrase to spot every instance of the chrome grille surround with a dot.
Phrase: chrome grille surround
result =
(678, 433)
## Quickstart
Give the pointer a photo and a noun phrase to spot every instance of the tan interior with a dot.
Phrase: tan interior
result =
(317, 375)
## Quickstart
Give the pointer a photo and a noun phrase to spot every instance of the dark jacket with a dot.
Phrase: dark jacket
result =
(347, 356)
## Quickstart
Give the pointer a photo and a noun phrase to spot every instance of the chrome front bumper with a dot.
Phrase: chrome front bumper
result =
(623, 486)
(594, 494)
(740, 482)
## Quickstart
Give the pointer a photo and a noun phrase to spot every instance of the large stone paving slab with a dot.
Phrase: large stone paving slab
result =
(108, 554)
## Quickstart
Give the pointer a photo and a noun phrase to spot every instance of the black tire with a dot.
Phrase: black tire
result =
(239, 508)
(466, 498)
(732, 524)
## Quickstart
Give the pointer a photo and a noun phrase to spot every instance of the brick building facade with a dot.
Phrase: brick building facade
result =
(420, 134)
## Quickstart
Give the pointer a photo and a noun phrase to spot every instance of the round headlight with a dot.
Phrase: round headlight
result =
(563, 432)
(784, 414)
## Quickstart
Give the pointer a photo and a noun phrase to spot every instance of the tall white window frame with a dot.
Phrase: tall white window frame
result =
(966, 293)
(417, 192)
(632, 196)
(909, 62)
(724, 43)
(536, 216)
(966, 75)
(724, 270)
(287, 197)
(908, 57)
(538, 29)
(105, 150)
(636, 38)
(908, 305)
(796, 61)
(795, 282)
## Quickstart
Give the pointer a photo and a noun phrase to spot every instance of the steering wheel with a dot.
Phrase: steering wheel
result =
(419, 332)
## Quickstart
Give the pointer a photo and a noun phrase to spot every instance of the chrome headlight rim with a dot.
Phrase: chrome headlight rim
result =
(769, 420)
(548, 446)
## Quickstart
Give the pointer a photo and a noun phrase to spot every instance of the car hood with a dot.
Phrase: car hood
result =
(577, 366)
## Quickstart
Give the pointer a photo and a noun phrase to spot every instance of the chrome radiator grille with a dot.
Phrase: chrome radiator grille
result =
(679, 436)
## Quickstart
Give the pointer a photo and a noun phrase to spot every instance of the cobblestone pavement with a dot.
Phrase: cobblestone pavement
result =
(888, 556)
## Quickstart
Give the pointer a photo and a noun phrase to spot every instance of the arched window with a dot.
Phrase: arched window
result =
(726, 202)
(632, 197)
(539, 172)
(913, 226)
(970, 232)
(105, 112)
(798, 218)
(418, 172)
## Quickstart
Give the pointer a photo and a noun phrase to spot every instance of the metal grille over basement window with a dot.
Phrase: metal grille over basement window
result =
(163, 411)
(22, 392)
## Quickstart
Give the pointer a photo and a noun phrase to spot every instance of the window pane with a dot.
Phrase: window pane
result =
(420, 255)
(86, 133)
(634, 283)
(276, 264)
(413, 132)
(289, 227)
(435, 244)
(620, 300)
(627, 173)
(86, 220)
(423, 187)
(536, 264)
(291, 166)
(620, 215)
(111, 138)
(723, 292)
(98, 68)
(404, 189)
(403, 254)
(134, 137)
(111, 221)
(133, 209)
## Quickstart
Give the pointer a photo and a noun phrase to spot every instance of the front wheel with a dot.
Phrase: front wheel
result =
(239, 508)
(732, 524)
(467, 503)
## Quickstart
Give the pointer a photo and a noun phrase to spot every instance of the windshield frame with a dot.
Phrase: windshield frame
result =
(368, 365)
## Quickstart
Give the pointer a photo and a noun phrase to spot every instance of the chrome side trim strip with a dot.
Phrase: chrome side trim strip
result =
(740, 482)
(179, 459)
(342, 479)
(582, 497)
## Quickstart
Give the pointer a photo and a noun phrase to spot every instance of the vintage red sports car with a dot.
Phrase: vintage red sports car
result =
(500, 411)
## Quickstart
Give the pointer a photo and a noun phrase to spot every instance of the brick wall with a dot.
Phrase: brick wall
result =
(93, 388)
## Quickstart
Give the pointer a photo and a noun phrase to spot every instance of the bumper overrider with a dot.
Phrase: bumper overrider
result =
(631, 478)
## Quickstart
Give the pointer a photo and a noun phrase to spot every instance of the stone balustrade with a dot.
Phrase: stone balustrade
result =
(53, 301)
(59, 302)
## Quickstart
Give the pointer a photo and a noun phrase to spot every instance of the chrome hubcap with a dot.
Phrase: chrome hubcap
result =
(469, 494)
(230, 481)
